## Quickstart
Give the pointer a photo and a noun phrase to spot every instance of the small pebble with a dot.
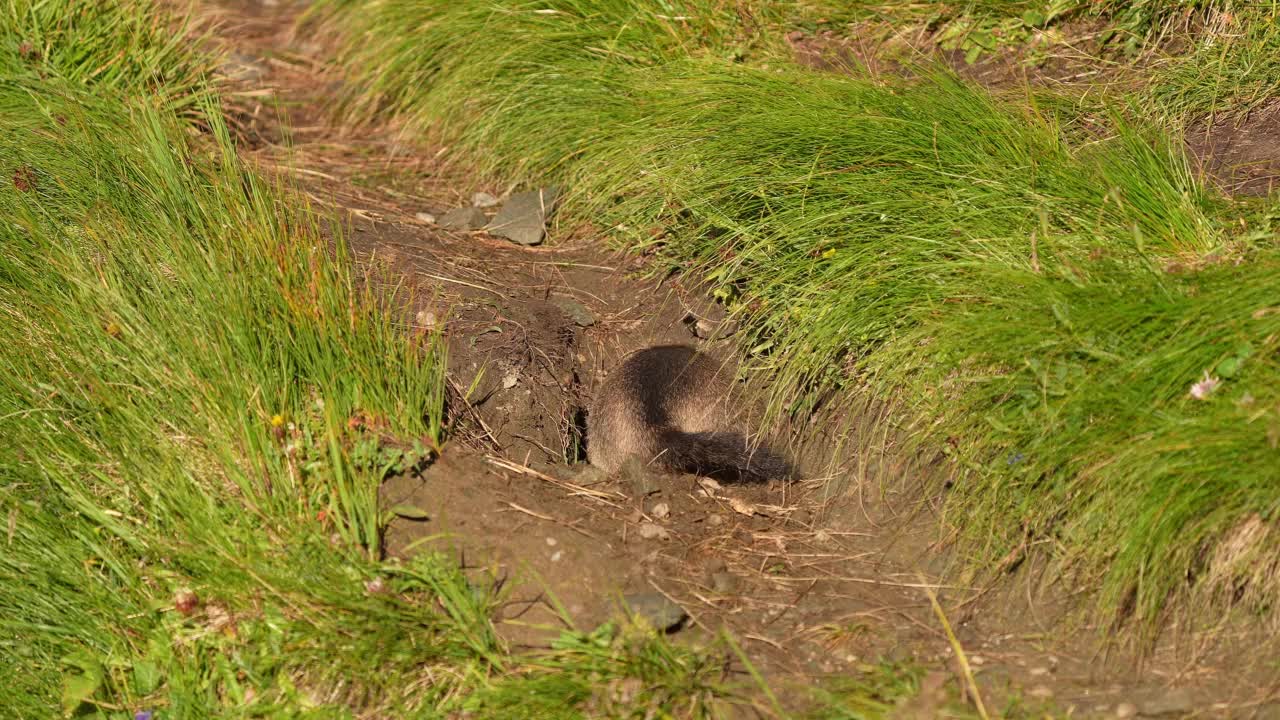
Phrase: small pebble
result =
(715, 520)
(1039, 671)
(651, 531)
(555, 557)
(425, 217)
(426, 319)
(709, 485)
(660, 510)
(483, 200)
(1126, 710)
(552, 542)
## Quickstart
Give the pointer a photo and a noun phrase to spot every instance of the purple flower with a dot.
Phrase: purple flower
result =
(142, 715)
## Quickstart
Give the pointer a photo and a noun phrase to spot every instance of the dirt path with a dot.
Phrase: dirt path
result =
(809, 586)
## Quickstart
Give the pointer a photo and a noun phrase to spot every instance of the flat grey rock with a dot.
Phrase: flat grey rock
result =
(467, 218)
(656, 610)
(523, 217)
(576, 311)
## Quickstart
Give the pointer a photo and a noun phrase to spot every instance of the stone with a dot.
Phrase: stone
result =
(425, 218)
(576, 311)
(483, 200)
(656, 609)
(652, 531)
(523, 217)
(463, 219)
(1126, 710)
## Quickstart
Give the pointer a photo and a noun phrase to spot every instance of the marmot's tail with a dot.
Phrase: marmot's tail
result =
(720, 455)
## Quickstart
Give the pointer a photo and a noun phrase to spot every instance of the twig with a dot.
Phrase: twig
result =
(573, 488)
(462, 282)
(955, 645)
(475, 413)
(548, 518)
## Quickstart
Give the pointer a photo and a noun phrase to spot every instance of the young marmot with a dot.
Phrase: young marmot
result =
(670, 407)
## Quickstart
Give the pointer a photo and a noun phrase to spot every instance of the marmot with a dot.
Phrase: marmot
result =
(671, 408)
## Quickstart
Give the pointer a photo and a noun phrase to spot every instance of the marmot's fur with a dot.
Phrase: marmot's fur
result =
(670, 407)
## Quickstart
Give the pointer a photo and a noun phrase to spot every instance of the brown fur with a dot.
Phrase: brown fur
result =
(670, 407)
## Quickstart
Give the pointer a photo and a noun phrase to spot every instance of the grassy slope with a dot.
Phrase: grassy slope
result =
(1004, 272)
(188, 513)
(1201, 57)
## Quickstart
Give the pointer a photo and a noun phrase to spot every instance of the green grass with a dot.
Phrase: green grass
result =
(1204, 57)
(1231, 67)
(127, 46)
(159, 306)
(979, 27)
(1038, 299)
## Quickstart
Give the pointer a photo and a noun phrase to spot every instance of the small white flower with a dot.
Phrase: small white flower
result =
(1203, 389)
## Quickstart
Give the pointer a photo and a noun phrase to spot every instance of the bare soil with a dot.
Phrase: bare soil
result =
(813, 584)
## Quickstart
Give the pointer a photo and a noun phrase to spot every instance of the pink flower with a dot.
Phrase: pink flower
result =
(1203, 389)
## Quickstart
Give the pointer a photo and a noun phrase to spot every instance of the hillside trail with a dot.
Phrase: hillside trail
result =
(811, 585)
